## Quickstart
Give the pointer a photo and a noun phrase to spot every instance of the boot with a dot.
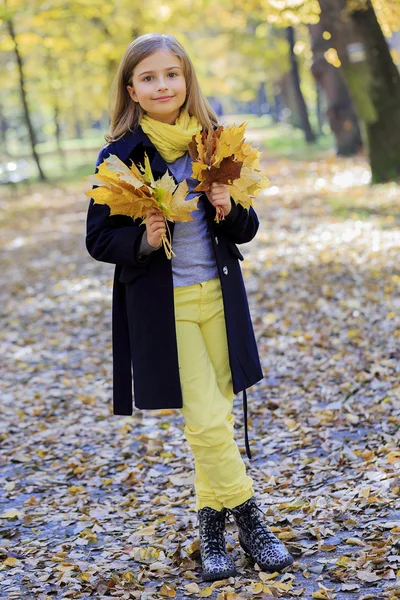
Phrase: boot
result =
(217, 564)
(257, 540)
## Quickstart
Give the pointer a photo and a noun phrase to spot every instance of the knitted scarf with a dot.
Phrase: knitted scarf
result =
(171, 140)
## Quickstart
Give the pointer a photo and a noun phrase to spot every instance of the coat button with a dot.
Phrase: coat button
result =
(216, 240)
(225, 270)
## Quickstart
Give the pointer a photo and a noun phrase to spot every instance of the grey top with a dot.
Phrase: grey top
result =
(194, 261)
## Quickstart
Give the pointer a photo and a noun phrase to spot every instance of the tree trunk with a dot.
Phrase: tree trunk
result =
(318, 108)
(3, 132)
(383, 134)
(373, 81)
(277, 105)
(290, 108)
(302, 107)
(32, 137)
(56, 108)
(262, 100)
(340, 111)
(61, 153)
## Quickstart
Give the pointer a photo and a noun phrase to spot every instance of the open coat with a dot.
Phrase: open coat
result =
(143, 318)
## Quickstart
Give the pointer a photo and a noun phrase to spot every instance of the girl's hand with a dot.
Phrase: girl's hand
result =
(155, 228)
(219, 196)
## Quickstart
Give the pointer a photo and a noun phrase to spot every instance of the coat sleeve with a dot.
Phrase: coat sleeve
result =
(241, 225)
(113, 239)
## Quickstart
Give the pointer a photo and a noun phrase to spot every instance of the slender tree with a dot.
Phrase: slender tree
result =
(27, 116)
(301, 103)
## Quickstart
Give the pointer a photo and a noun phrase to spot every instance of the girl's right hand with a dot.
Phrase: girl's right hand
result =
(155, 228)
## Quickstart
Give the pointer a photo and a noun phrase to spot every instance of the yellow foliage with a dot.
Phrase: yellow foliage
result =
(292, 12)
(332, 57)
(223, 156)
(132, 192)
(129, 191)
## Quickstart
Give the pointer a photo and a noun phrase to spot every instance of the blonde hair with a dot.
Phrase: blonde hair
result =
(126, 114)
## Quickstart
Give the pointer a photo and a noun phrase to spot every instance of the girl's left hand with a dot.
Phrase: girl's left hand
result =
(219, 196)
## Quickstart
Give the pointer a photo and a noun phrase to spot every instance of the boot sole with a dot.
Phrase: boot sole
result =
(215, 576)
(268, 568)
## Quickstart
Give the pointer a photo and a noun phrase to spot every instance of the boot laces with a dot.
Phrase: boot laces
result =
(214, 545)
(263, 527)
(214, 538)
(259, 524)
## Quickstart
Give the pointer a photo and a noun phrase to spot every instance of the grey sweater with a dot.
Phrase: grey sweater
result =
(194, 261)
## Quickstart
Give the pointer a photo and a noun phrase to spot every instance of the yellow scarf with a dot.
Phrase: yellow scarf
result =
(171, 140)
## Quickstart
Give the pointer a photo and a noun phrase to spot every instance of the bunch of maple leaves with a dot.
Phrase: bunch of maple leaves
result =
(222, 156)
(219, 155)
(132, 191)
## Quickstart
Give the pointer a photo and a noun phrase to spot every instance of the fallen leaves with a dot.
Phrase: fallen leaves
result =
(103, 507)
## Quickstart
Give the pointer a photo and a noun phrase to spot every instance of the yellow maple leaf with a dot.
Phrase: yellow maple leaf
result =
(181, 208)
(229, 142)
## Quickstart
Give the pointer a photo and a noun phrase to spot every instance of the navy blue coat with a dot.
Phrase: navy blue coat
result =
(143, 318)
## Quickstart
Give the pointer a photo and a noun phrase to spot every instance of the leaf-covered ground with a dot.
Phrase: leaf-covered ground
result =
(99, 506)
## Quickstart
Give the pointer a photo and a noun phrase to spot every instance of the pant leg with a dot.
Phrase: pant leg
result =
(193, 367)
(221, 479)
(213, 328)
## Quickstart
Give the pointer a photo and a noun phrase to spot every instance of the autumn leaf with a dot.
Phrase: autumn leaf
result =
(206, 592)
(192, 588)
(167, 592)
(226, 173)
(323, 593)
(10, 562)
(180, 209)
(12, 513)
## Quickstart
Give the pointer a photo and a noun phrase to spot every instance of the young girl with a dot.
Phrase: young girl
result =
(183, 324)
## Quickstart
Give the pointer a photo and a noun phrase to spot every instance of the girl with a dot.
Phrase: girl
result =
(183, 325)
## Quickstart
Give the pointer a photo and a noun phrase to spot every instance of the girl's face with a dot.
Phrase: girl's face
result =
(159, 86)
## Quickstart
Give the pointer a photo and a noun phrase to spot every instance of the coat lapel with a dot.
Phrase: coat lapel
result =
(128, 143)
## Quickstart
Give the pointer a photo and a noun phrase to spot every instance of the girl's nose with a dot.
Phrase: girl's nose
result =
(162, 84)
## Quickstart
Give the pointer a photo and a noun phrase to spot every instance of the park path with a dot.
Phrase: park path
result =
(97, 506)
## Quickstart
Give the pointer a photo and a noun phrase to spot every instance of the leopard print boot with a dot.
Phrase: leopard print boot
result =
(217, 564)
(257, 540)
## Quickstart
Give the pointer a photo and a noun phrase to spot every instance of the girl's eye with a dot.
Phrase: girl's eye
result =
(148, 77)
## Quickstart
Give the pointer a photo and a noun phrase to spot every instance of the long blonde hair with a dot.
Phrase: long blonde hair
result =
(125, 114)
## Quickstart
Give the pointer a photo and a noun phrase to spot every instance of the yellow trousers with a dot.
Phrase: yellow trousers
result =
(206, 381)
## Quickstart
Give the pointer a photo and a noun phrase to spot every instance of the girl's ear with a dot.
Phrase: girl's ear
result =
(132, 93)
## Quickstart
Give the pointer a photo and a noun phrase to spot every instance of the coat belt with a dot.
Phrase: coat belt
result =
(246, 433)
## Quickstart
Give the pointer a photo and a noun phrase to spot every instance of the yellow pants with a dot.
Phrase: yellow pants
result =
(206, 381)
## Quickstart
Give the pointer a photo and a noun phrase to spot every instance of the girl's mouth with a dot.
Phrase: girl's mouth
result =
(164, 98)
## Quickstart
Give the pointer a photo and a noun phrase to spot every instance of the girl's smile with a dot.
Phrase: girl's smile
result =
(159, 86)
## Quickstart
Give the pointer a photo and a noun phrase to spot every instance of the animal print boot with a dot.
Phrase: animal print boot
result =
(257, 540)
(217, 564)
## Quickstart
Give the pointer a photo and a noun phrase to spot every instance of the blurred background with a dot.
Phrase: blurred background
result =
(307, 75)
